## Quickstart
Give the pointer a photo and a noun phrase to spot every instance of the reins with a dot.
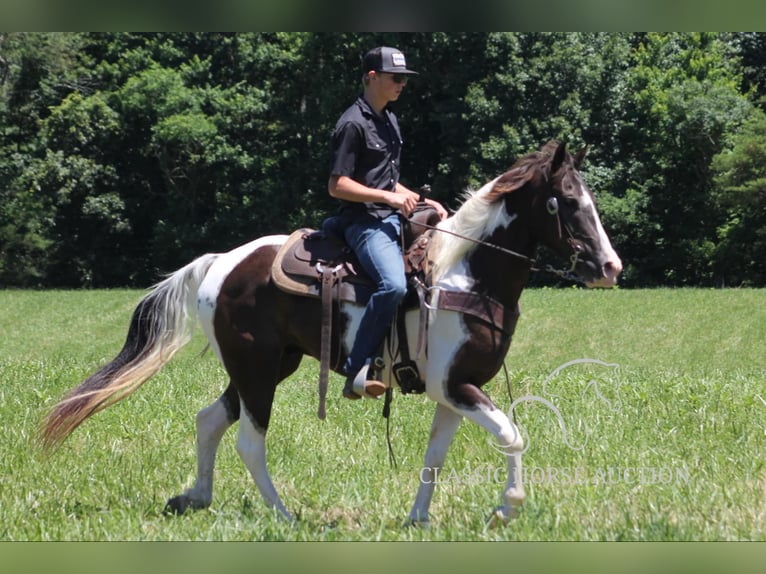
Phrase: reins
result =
(480, 242)
(567, 274)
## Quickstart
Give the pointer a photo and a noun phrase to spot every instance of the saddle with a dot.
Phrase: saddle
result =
(315, 264)
(309, 258)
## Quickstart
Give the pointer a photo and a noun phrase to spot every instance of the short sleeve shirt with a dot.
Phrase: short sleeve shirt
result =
(367, 147)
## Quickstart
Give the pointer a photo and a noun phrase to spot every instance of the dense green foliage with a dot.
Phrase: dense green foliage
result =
(124, 155)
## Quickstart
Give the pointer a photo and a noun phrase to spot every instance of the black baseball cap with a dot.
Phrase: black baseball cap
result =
(384, 59)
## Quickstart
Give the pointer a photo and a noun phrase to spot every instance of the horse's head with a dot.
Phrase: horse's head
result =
(563, 212)
(578, 230)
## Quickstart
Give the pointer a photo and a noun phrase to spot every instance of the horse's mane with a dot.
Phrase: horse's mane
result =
(482, 211)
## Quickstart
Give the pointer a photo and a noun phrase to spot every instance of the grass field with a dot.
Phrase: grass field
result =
(668, 445)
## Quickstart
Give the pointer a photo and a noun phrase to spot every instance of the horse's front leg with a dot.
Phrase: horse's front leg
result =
(510, 442)
(445, 423)
(469, 401)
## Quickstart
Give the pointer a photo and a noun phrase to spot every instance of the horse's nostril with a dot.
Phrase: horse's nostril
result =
(613, 267)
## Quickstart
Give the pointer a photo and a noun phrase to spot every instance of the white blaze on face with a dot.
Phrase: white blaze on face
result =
(613, 266)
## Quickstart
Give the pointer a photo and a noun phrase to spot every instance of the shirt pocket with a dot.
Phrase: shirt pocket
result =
(375, 146)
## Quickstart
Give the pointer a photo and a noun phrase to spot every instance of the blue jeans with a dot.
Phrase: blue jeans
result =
(377, 246)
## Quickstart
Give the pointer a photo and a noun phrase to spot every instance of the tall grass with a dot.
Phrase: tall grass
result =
(688, 397)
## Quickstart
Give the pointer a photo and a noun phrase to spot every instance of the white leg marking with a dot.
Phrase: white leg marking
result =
(446, 422)
(251, 446)
(447, 335)
(508, 439)
(212, 423)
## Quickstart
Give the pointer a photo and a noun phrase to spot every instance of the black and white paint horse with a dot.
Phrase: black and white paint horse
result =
(260, 333)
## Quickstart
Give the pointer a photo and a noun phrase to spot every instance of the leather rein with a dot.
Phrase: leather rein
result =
(567, 274)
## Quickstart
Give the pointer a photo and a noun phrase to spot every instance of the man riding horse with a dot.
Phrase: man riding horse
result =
(364, 175)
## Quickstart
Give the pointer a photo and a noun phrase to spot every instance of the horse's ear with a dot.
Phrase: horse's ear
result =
(579, 157)
(558, 157)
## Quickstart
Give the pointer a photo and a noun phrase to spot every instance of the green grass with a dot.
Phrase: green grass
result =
(688, 397)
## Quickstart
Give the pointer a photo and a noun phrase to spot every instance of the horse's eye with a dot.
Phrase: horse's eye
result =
(552, 205)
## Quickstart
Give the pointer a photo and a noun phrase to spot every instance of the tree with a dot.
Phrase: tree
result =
(123, 155)
(684, 101)
(751, 47)
(38, 71)
(740, 177)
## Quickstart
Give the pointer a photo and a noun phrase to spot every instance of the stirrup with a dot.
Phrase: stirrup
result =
(367, 386)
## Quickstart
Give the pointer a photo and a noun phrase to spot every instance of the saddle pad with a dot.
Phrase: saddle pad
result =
(295, 267)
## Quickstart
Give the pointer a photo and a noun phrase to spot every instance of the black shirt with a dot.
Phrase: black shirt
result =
(367, 147)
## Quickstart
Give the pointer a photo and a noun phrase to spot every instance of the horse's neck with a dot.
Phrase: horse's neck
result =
(486, 271)
(498, 274)
(462, 264)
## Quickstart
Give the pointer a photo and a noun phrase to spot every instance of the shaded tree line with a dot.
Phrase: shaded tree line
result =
(125, 155)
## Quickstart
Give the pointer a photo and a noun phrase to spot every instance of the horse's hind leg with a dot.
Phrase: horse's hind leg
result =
(256, 389)
(212, 422)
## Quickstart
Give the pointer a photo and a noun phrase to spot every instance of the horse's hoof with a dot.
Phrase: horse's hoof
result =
(180, 504)
(502, 515)
(176, 505)
(424, 524)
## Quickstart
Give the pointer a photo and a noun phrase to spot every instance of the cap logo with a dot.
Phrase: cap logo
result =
(398, 59)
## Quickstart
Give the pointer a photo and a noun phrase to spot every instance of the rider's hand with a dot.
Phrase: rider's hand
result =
(438, 207)
(404, 202)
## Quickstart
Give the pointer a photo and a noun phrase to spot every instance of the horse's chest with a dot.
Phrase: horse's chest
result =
(463, 348)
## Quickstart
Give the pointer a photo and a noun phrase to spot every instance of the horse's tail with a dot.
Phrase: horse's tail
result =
(162, 323)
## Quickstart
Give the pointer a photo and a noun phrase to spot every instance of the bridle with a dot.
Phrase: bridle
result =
(552, 208)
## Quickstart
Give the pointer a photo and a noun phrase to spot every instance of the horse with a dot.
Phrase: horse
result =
(260, 333)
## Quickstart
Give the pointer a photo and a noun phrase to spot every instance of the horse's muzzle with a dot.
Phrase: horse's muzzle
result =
(610, 271)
